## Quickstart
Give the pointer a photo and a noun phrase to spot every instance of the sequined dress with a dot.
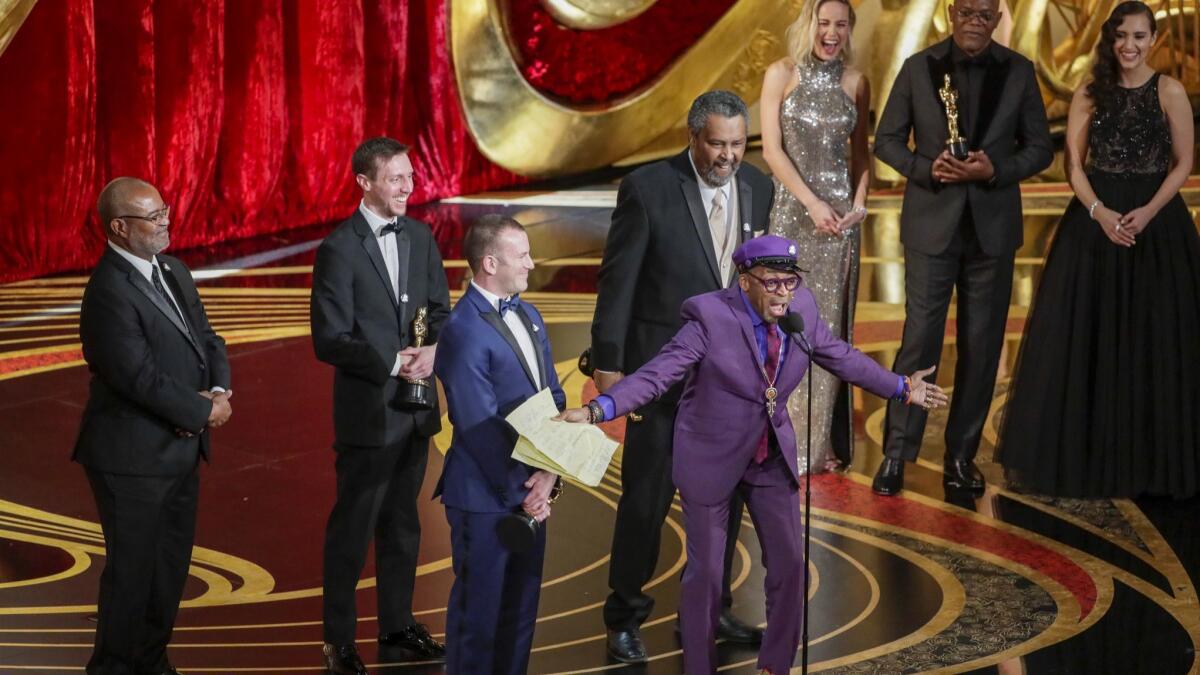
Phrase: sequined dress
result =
(816, 119)
(1105, 400)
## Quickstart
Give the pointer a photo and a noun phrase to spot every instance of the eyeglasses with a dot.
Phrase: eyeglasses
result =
(159, 217)
(983, 16)
(772, 285)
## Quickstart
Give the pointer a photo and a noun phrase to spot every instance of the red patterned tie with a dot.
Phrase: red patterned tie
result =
(771, 365)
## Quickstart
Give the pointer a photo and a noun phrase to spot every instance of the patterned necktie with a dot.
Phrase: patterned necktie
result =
(717, 225)
(770, 364)
(162, 291)
(511, 303)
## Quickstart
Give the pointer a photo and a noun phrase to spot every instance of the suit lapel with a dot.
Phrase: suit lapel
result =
(733, 301)
(403, 247)
(170, 280)
(541, 363)
(370, 245)
(994, 80)
(746, 209)
(941, 65)
(691, 194)
(139, 282)
(492, 317)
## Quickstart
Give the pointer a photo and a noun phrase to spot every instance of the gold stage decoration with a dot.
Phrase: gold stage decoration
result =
(12, 14)
(522, 130)
(595, 14)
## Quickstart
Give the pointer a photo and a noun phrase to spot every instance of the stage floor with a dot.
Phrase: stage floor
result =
(929, 581)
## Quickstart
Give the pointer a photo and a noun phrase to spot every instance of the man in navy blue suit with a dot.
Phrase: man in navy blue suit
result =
(493, 354)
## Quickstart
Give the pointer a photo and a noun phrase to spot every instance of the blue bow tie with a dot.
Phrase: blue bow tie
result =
(512, 303)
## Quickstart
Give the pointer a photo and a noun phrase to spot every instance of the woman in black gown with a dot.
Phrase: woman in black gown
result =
(1106, 397)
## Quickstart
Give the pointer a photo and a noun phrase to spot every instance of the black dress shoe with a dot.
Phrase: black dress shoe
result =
(962, 473)
(732, 629)
(889, 479)
(343, 660)
(626, 646)
(417, 641)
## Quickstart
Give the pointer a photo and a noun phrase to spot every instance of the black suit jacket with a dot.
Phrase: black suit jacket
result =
(146, 371)
(358, 325)
(1011, 128)
(659, 252)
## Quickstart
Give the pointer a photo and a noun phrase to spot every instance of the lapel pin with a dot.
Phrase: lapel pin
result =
(535, 328)
(404, 297)
(746, 227)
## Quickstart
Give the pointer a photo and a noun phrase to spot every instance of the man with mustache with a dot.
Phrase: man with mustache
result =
(160, 381)
(961, 222)
(674, 230)
(734, 437)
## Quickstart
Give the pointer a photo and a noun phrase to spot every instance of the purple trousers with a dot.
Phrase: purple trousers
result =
(773, 502)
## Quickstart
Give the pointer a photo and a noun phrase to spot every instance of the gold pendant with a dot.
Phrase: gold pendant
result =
(771, 393)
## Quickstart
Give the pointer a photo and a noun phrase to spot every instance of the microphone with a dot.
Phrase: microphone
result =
(793, 324)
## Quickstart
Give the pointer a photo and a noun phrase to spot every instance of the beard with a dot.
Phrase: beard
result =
(714, 177)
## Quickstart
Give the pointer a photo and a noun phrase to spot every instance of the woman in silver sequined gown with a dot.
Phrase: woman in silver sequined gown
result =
(814, 131)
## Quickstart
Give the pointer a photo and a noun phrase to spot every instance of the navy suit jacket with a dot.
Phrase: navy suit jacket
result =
(479, 364)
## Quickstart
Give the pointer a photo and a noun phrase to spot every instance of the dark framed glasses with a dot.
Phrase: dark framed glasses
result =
(159, 217)
(773, 284)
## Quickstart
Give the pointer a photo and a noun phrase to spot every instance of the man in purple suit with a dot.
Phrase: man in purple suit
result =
(743, 364)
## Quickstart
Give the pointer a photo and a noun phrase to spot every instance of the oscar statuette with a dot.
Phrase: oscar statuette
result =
(417, 394)
(956, 145)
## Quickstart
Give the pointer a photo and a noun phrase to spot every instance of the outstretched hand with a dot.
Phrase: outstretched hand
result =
(927, 394)
(573, 415)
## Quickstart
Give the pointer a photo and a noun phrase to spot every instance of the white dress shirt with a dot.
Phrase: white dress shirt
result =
(146, 269)
(707, 193)
(387, 246)
(517, 327)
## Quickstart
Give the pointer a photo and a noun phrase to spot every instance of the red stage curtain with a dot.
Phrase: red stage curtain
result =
(244, 113)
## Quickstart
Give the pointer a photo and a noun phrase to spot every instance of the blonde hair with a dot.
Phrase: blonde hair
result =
(802, 34)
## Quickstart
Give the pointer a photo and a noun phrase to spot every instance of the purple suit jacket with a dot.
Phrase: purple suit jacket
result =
(722, 414)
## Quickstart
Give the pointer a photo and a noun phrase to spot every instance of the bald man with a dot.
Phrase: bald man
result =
(160, 381)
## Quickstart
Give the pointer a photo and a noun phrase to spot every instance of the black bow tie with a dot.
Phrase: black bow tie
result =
(512, 303)
(393, 227)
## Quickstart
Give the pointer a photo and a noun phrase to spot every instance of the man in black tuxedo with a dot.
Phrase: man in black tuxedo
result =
(673, 234)
(371, 275)
(160, 380)
(961, 223)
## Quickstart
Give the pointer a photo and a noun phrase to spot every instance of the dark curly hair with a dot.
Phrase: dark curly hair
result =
(1105, 71)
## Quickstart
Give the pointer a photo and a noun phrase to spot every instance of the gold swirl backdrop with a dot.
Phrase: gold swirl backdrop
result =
(522, 130)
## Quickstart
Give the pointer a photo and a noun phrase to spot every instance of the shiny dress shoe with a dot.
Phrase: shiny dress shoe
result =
(889, 479)
(626, 646)
(417, 641)
(732, 629)
(343, 660)
(962, 473)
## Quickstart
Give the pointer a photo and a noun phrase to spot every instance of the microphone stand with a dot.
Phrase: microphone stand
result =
(796, 331)
(807, 503)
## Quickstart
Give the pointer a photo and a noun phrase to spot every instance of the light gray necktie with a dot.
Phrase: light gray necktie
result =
(718, 226)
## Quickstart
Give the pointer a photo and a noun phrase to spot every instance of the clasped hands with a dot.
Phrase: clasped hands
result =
(537, 501)
(1122, 230)
(417, 362)
(977, 167)
(220, 413)
(829, 221)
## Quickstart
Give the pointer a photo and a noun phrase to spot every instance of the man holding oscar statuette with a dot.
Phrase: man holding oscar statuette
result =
(379, 300)
(975, 114)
